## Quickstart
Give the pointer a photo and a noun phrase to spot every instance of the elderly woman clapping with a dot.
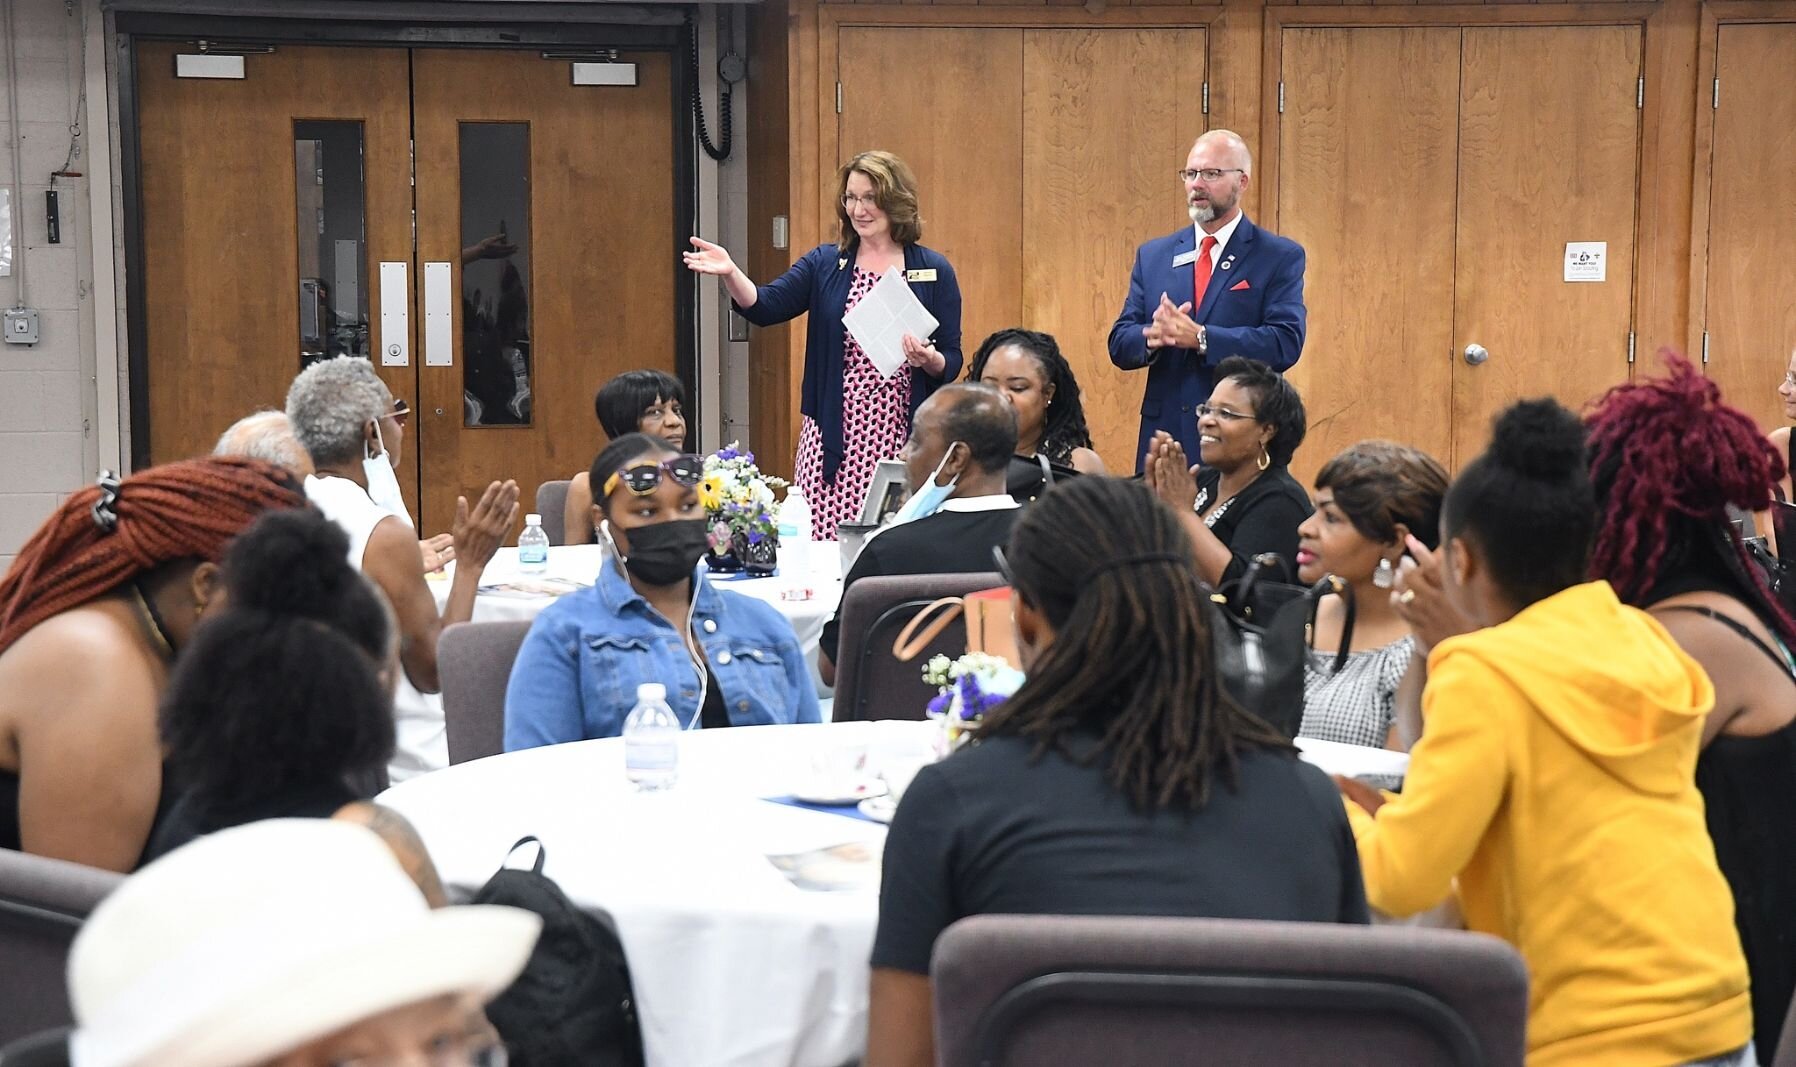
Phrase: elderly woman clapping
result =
(337, 408)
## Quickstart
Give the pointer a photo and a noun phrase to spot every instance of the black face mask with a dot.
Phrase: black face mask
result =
(665, 553)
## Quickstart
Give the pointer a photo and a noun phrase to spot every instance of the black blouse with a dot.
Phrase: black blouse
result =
(1260, 518)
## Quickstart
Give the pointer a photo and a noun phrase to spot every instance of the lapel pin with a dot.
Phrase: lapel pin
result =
(1227, 263)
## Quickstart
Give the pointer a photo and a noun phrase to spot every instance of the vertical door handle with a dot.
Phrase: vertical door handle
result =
(439, 315)
(395, 343)
(1476, 353)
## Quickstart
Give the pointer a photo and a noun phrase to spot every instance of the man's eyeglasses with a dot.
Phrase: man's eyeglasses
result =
(1209, 174)
(1224, 413)
(401, 410)
(642, 478)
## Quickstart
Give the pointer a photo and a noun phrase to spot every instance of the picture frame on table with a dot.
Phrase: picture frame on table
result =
(886, 493)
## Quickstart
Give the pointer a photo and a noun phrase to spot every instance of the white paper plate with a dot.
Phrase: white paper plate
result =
(879, 809)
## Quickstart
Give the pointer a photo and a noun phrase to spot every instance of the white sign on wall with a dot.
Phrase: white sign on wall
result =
(5, 232)
(1586, 261)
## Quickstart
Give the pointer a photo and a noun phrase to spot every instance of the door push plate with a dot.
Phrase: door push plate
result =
(395, 350)
(439, 337)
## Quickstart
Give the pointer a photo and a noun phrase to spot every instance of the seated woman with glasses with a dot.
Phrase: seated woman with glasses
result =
(650, 616)
(1243, 502)
(1121, 779)
(636, 401)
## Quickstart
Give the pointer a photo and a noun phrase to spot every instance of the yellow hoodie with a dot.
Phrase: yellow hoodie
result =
(1555, 780)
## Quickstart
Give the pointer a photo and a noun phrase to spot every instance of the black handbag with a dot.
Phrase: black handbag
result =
(1262, 632)
(1028, 477)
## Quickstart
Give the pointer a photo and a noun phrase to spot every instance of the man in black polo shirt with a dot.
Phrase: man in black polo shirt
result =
(963, 436)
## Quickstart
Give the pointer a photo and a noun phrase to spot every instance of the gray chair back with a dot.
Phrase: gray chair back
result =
(1785, 1053)
(1061, 990)
(870, 682)
(42, 904)
(474, 664)
(551, 504)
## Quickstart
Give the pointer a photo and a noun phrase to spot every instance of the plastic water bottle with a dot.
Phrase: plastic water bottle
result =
(652, 740)
(796, 526)
(533, 546)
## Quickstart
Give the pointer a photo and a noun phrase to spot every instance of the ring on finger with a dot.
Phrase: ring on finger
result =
(1406, 596)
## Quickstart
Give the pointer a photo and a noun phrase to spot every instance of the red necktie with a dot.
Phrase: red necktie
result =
(1200, 272)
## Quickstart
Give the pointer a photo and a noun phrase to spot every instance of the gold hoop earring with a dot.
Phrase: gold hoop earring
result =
(1265, 459)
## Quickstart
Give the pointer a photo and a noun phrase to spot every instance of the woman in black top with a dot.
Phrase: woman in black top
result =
(282, 706)
(1244, 500)
(1119, 780)
(1668, 458)
(1027, 369)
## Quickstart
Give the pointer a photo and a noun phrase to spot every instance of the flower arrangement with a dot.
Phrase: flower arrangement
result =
(969, 687)
(738, 500)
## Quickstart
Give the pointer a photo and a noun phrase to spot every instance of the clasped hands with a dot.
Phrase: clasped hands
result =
(1169, 473)
(1173, 326)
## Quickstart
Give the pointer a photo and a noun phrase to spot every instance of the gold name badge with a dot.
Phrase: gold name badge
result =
(925, 275)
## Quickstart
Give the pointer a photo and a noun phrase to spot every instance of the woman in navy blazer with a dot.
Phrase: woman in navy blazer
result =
(852, 418)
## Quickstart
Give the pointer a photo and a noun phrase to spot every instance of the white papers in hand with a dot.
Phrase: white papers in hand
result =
(880, 320)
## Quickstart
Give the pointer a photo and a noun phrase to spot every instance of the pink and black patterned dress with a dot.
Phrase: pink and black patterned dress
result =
(875, 425)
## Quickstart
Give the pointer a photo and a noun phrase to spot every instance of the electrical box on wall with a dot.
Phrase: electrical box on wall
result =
(21, 326)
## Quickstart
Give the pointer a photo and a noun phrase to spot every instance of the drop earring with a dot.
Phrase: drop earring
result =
(1385, 576)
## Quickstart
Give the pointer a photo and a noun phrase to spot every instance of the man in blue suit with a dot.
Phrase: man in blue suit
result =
(1223, 288)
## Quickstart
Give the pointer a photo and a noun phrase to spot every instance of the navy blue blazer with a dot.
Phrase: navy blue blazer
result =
(1252, 307)
(819, 282)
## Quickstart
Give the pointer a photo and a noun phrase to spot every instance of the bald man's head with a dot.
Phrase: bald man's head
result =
(267, 436)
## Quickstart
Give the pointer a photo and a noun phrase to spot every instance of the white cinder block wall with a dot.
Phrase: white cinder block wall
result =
(47, 399)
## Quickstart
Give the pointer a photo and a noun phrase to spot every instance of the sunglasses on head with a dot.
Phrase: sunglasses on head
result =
(642, 478)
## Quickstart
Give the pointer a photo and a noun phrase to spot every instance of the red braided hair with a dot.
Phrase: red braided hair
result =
(185, 510)
(1669, 446)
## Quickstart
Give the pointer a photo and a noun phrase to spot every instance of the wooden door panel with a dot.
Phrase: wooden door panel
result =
(1368, 142)
(1548, 153)
(601, 263)
(961, 133)
(221, 253)
(1100, 146)
(1748, 313)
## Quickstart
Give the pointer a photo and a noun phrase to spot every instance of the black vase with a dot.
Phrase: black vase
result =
(726, 562)
(758, 557)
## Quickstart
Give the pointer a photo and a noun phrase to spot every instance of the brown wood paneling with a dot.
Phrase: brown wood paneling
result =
(1667, 140)
(963, 138)
(1748, 314)
(602, 278)
(1370, 136)
(772, 379)
(221, 258)
(1098, 155)
(1548, 153)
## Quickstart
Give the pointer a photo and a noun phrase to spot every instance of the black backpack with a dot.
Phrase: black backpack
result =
(573, 1005)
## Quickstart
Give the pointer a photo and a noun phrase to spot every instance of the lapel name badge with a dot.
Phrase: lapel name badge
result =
(926, 274)
(1184, 258)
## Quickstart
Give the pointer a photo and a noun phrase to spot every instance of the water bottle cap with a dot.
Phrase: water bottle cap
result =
(648, 691)
(533, 519)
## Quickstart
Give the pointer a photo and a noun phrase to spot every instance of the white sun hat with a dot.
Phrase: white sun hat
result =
(251, 942)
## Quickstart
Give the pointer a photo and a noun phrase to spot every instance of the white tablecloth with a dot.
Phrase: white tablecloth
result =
(814, 565)
(733, 965)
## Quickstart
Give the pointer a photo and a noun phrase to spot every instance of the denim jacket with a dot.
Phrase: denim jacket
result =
(577, 672)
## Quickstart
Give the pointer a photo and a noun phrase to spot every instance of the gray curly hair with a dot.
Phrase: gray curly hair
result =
(330, 402)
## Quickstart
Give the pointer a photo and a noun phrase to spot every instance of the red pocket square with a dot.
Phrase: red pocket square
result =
(1240, 285)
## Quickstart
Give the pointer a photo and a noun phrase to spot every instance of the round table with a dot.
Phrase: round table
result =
(732, 962)
(814, 566)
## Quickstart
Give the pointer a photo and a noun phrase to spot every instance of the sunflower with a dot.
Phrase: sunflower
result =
(710, 492)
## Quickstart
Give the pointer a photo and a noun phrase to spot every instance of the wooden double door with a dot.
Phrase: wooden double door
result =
(1436, 175)
(494, 237)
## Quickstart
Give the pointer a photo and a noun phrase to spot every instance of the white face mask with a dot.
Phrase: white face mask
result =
(383, 486)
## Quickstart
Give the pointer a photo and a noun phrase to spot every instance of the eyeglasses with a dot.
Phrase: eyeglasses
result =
(1224, 413)
(850, 201)
(401, 410)
(642, 478)
(1208, 174)
(470, 1051)
(1790, 378)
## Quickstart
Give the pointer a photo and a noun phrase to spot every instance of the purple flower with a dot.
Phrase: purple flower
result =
(939, 706)
(755, 537)
(727, 453)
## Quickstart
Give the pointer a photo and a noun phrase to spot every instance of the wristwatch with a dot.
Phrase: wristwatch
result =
(1203, 340)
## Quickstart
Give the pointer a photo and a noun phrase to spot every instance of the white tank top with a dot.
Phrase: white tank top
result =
(423, 741)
